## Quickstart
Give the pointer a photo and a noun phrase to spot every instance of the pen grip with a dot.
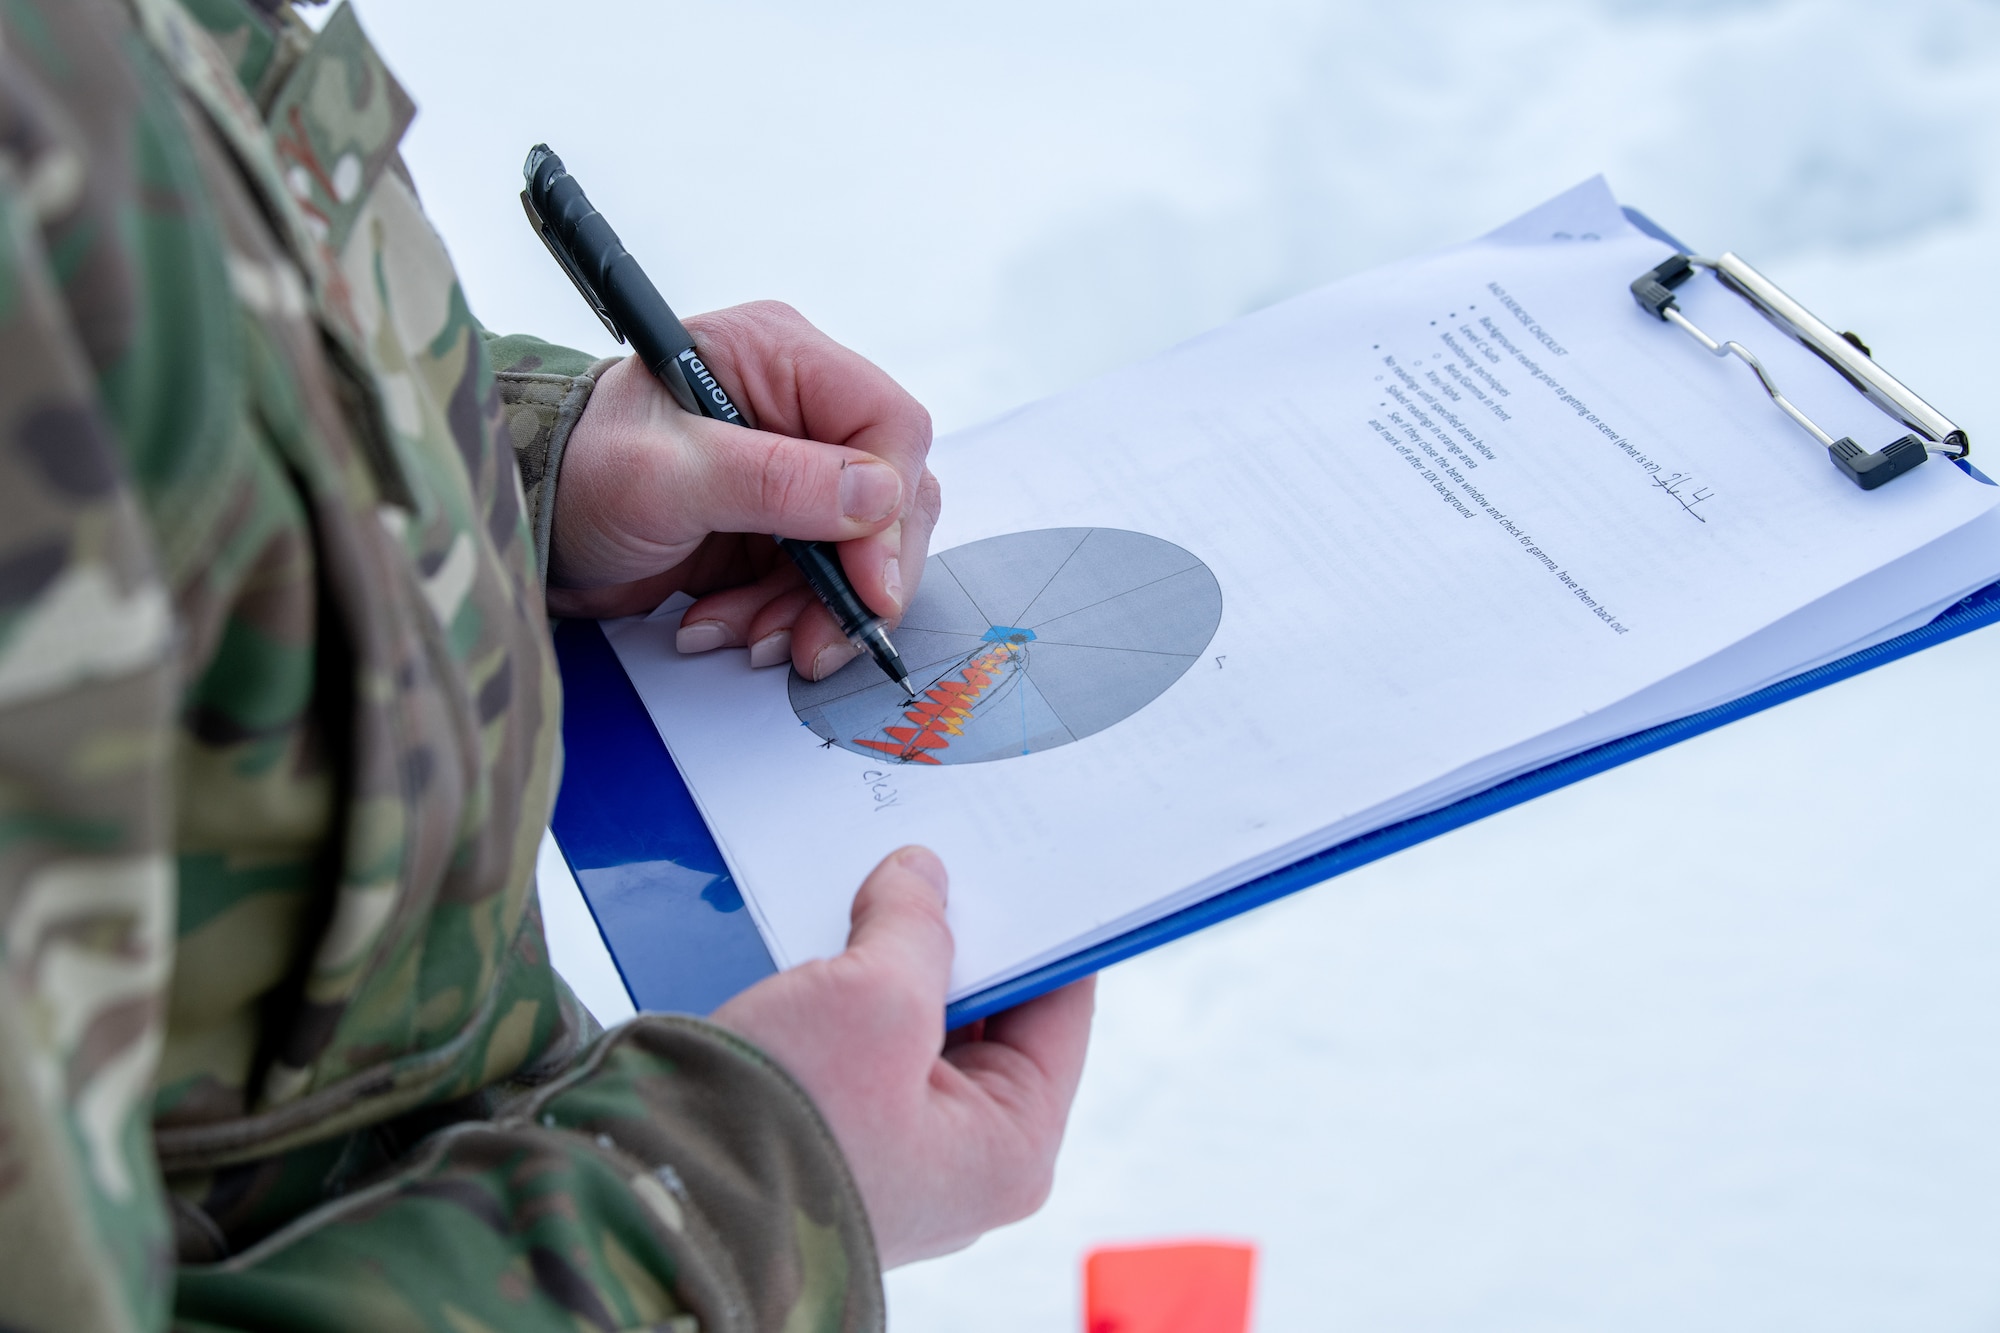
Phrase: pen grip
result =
(709, 397)
(820, 563)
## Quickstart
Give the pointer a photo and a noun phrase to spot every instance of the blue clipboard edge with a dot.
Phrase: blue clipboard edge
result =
(624, 807)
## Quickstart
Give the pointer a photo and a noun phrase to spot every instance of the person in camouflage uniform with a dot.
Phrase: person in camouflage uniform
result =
(280, 1047)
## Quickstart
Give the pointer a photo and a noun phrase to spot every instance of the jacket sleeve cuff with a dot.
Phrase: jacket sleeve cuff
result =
(543, 392)
(745, 1166)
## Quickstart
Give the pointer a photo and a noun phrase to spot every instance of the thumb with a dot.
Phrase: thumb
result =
(743, 480)
(899, 922)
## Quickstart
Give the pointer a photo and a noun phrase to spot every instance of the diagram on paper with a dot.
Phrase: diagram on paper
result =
(1021, 643)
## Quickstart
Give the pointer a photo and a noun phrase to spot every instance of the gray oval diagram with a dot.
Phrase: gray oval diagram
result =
(1023, 642)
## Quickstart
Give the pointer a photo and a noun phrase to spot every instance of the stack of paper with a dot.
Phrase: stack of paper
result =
(1336, 563)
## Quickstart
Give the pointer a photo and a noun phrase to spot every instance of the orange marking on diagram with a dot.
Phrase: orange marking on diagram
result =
(948, 706)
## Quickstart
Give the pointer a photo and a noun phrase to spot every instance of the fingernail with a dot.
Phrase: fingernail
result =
(892, 579)
(924, 863)
(832, 658)
(701, 636)
(869, 492)
(772, 649)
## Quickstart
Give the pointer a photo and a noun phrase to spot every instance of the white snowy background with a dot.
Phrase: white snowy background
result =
(1707, 1042)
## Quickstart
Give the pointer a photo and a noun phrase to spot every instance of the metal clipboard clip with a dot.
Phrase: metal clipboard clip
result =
(1654, 291)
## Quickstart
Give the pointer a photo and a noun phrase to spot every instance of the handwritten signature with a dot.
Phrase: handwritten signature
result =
(1681, 486)
(878, 787)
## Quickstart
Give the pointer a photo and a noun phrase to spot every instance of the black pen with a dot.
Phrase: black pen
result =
(633, 310)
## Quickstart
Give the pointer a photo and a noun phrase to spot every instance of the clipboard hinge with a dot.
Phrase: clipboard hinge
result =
(1931, 431)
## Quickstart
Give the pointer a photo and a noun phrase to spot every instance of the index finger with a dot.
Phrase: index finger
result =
(797, 381)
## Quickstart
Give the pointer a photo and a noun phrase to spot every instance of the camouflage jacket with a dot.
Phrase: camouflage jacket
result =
(280, 1047)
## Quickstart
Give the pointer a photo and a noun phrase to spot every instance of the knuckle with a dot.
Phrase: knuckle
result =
(775, 314)
(930, 930)
(868, 997)
(774, 309)
(820, 976)
(785, 479)
(846, 980)
(930, 497)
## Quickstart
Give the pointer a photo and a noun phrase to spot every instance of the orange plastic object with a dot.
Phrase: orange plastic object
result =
(1192, 1288)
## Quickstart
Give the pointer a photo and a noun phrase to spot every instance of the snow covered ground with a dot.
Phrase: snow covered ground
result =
(1705, 1042)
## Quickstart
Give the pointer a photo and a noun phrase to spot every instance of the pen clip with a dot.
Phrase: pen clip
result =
(569, 266)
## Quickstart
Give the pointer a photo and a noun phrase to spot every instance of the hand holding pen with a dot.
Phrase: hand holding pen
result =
(653, 500)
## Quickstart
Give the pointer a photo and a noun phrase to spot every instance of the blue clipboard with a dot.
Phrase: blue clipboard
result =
(675, 923)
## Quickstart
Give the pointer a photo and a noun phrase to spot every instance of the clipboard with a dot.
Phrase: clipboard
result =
(682, 940)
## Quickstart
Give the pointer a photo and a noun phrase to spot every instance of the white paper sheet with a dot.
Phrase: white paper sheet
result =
(1461, 511)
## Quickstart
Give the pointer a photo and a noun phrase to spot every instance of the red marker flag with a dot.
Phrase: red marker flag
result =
(1195, 1288)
